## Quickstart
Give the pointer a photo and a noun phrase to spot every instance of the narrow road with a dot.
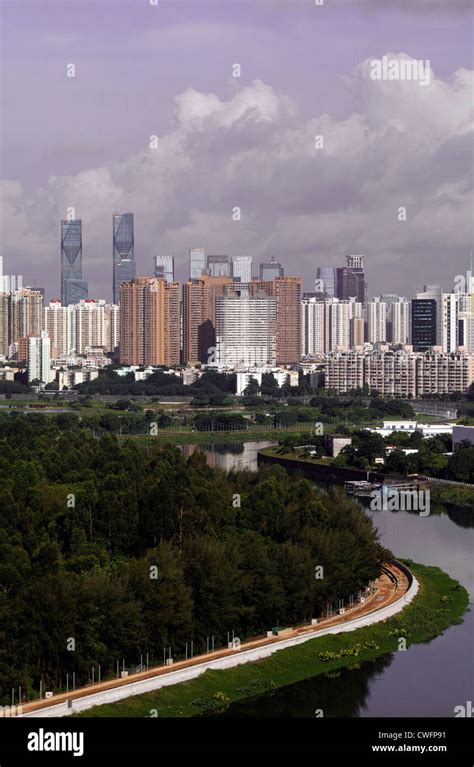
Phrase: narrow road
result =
(392, 591)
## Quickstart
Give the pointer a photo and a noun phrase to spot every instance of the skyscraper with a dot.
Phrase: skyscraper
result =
(9, 282)
(424, 324)
(242, 268)
(149, 322)
(326, 281)
(245, 329)
(218, 266)
(376, 321)
(197, 263)
(164, 268)
(199, 317)
(25, 314)
(39, 358)
(287, 291)
(350, 280)
(73, 287)
(313, 320)
(271, 270)
(123, 251)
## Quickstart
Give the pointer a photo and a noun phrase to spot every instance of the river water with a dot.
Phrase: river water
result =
(428, 679)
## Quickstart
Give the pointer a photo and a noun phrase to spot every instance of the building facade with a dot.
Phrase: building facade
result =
(73, 287)
(124, 267)
(149, 322)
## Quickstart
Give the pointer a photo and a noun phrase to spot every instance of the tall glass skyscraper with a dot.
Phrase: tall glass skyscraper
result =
(124, 256)
(73, 287)
(327, 276)
(164, 268)
(197, 263)
(271, 270)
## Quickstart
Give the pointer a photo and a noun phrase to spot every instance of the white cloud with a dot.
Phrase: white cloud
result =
(404, 145)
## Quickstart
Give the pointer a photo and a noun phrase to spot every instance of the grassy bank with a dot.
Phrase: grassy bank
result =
(440, 602)
(207, 437)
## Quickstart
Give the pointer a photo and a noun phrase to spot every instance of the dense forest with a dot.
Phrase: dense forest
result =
(128, 550)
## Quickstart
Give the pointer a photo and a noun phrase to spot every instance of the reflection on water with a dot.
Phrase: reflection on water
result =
(229, 455)
(341, 695)
(428, 679)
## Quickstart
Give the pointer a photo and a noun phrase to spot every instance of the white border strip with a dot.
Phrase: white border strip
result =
(244, 656)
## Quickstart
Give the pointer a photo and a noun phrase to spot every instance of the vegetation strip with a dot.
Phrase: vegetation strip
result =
(441, 602)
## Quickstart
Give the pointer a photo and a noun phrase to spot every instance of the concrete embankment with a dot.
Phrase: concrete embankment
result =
(235, 658)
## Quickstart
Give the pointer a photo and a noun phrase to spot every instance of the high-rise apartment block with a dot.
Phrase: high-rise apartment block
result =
(149, 322)
(400, 373)
(199, 317)
(376, 321)
(39, 359)
(76, 328)
(287, 293)
(245, 329)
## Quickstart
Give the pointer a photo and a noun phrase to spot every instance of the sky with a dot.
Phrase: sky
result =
(246, 142)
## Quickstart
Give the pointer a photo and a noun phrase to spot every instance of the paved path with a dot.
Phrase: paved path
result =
(392, 593)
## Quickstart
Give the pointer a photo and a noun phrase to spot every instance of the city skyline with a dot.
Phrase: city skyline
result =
(249, 141)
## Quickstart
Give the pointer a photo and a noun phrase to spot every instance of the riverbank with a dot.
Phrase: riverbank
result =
(440, 603)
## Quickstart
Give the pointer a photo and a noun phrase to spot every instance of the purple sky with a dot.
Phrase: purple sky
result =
(247, 142)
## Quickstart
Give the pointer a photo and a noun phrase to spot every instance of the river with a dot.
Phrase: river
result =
(428, 679)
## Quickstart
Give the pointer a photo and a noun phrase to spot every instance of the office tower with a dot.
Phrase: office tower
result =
(39, 358)
(199, 317)
(376, 321)
(350, 280)
(164, 268)
(73, 287)
(424, 324)
(435, 293)
(357, 331)
(271, 270)
(9, 282)
(287, 292)
(218, 266)
(242, 268)
(326, 280)
(245, 330)
(149, 322)
(197, 263)
(124, 267)
(313, 325)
